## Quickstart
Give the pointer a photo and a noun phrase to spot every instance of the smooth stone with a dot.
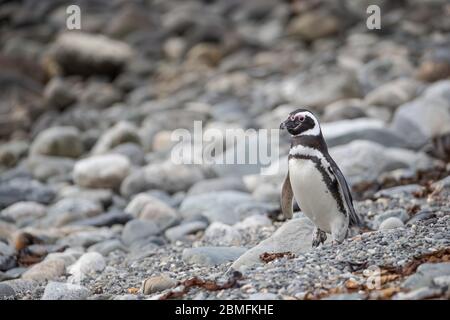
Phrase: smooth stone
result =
(181, 231)
(6, 292)
(87, 237)
(217, 184)
(88, 54)
(379, 71)
(220, 234)
(394, 93)
(21, 286)
(293, 236)
(313, 25)
(344, 109)
(396, 213)
(209, 256)
(122, 132)
(421, 216)
(139, 231)
(58, 141)
(44, 168)
(108, 246)
(224, 206)
(64, 291)
(89, 264)
(157, 283)
(324, 86)
(103, 196)
(165, 176)
(45, 270)
(23, 189)
(418, 294)
(398, 192)
(105, 220)
(362, 160)
(103, 171)
(11, 152)
(434, 109)
(7, 262)
(59, 94)
(132, 151)
(24, 211)
(6, 250)
(68, 210)
(425, 274)
(146, 207)
(255, 221)
(442, 281)
(391, 223)
(345, 131)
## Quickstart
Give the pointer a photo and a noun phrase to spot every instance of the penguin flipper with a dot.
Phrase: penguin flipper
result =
(286, 198)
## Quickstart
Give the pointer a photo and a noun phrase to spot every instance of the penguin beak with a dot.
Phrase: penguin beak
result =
(283, 125)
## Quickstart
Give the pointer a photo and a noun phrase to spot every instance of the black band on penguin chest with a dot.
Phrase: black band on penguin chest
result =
(332, 185)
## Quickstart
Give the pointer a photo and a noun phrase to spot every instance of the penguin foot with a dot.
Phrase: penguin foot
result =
(319, 237)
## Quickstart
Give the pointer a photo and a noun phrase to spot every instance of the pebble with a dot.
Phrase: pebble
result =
(138, 231)
(157, 284)
(45, 270)
(184, 229)
(64, 291)
(58, 141)
(104, 171)
(391, 223)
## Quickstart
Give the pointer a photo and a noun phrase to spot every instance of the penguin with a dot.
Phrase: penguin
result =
(315, 181)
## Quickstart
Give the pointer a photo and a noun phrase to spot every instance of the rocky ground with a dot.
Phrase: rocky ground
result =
(92, 207)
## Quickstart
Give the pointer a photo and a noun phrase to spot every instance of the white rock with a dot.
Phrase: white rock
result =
(391, 223)
(105, 171)
(220, 234)
(89, 263)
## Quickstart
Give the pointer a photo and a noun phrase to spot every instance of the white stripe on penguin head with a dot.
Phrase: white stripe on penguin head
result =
(314, 131)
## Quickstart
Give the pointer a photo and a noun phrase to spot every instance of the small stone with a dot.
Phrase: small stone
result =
(418, 294)
(147, 207)
(157, 284)
(105, 171)
(220, 234)
(45, 270)
(122, 132)
(59, 94)
(87, 54)
(138, 231)
(314, 25)
(426, 273)
(6, 292)
(88, 264)
(181, 231)
(24, 211)
(64, 291)
(58, 141)
(391, 223)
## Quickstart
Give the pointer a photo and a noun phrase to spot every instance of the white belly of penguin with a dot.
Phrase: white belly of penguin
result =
(312, 194)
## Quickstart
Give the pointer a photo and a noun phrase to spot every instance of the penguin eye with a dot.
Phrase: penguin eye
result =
(301, 118)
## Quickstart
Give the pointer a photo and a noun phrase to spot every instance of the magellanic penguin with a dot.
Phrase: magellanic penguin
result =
(315, 181)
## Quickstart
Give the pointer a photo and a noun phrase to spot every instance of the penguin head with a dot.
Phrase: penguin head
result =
(301, 122)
